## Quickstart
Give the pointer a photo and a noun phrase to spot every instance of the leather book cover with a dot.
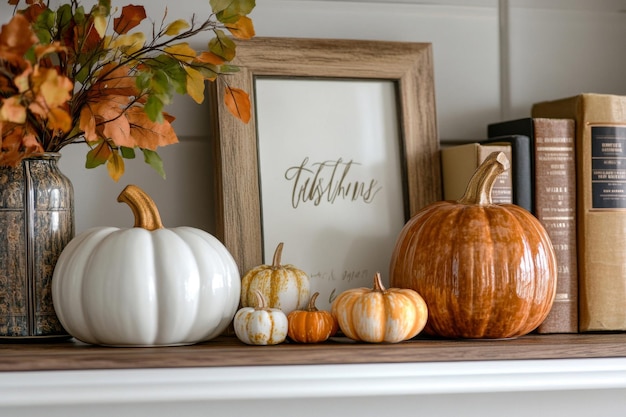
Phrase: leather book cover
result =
(458, 163)
(521, 167)
(601, 205)
(554, 205)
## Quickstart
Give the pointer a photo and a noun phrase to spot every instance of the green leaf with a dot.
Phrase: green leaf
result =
(154, 160)
(222, 46)
(43, 26)
(79, 15)
(229, 69)
(172, 75)
(229, 11)
(160, 83)
(128, 153)
(154, 108)
(98, 155)
(178, 78)
(209, 71)
(64, 17)
(102, 9)
(143, 79)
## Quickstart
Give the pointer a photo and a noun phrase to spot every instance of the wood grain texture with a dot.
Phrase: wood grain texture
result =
(228, 351)
(409, 65)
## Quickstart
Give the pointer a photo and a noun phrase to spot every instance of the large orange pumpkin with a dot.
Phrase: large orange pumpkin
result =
(485, 270)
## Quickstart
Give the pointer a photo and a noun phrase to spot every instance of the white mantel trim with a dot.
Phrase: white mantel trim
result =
(318, 381)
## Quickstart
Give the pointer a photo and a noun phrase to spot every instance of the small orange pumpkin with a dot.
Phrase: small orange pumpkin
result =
(485, 270)
(379, 314)
(311, 325)
(283, 286)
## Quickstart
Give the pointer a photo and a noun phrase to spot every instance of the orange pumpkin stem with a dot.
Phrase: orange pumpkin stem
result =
(479, 188)
(311, 306)
(143, 207)
(278, 253)
(260, 300)
(378, 283)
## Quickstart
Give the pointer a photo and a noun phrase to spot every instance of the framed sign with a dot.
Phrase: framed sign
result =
(341, 150)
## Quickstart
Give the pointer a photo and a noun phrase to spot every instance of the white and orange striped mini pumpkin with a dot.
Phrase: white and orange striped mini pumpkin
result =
(380, 315)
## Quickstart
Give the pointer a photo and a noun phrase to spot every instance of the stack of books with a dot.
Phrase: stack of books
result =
(568, 167)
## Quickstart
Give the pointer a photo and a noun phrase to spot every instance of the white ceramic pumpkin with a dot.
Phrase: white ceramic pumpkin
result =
(145, 286)
(261, 325)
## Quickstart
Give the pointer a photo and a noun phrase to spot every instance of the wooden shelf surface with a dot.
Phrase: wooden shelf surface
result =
(228, 351)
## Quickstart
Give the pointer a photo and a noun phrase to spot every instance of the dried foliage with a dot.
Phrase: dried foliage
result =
(68, 76)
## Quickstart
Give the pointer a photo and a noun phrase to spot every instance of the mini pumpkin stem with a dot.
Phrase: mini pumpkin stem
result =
(260, 300)
(378, 283)
(278, 253)
(479, 188)
(311, 305)
(143, 207)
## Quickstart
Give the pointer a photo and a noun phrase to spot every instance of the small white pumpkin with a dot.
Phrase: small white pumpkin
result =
(261, 325)
(145, 286)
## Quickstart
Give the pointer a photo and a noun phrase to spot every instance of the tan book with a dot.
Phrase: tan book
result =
(554, 176)
(458, 163)
(601, 205)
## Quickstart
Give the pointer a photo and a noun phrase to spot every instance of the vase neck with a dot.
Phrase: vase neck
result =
(46, 156)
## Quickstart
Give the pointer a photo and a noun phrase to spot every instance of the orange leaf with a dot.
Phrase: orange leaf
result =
(22, 81)
(242, 28)
(131, 16)
(238, 103)
(15, 144)
(59, 119)
(13, 111)
(117, 129)
(87, 123)
(110, 122)
(33, 11)
(86, 39)
(16, 38)
(55, 88)
(114, 80)
(210, 58)
(148, 134)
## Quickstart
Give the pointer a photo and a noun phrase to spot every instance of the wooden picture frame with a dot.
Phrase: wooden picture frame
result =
(235, 156)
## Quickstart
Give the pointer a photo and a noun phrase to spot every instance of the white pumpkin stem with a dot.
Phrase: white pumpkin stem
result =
(278, 253)
(260, 300)
(378, 283)
(479, 188)
(311, 306)
(143, 207)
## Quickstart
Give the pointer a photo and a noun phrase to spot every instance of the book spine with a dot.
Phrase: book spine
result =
(555, 207)
(601, 205)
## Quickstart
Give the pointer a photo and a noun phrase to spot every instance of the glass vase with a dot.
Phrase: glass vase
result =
(37, 221)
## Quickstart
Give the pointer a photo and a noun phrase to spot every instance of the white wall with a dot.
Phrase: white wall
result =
(553, 48)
